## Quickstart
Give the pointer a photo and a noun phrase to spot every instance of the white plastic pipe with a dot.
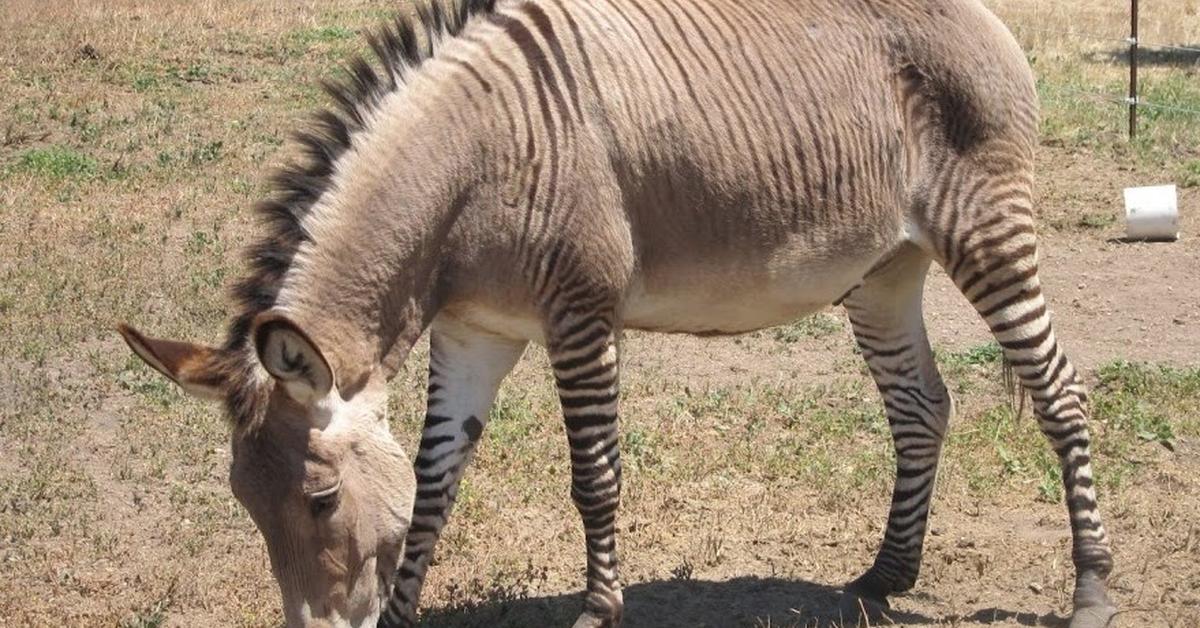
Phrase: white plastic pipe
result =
(1152, 213)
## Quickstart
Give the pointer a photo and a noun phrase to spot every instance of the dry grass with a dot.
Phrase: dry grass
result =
(133, 137)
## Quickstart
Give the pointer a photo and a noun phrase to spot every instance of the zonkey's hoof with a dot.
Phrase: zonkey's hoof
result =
(1093, 617)
(1093, 609)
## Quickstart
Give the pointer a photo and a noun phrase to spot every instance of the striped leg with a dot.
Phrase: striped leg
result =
(584, 357)
(995, 266)
(886, 315)
(465, 369)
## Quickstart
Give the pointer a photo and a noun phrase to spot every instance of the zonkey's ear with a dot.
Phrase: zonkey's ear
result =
(195, 368)
(292, 358)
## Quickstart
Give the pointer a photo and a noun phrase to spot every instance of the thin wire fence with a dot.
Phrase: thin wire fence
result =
(1173, 108)
(1112, 39)
(1129, 49)
(1107, 98)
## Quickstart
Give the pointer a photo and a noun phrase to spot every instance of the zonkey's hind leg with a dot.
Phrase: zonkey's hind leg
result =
(465, 369)
(886, 315)
(994, 263)
(583, 352)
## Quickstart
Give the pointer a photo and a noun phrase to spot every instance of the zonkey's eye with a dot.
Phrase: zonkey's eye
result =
(325, 501)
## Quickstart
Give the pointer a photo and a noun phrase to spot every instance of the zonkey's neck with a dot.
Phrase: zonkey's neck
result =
(365, 286)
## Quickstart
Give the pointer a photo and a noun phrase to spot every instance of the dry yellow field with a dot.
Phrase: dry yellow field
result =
(136, 134)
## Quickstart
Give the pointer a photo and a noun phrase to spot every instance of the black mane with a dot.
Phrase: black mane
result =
(297, 186)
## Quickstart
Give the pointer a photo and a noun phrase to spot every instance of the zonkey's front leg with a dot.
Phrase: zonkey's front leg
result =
(465, 369)
(584, 356)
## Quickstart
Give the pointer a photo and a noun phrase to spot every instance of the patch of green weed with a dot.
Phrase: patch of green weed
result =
(979, 355)
(143, 82)
(965, 370)
(512, 422)
(1147, 402)
(641, 448)
(816, 326)
(57, 162)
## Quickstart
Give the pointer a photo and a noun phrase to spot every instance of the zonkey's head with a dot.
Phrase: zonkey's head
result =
(317, 468)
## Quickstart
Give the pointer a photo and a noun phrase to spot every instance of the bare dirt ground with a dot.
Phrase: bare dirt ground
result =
(758, 467)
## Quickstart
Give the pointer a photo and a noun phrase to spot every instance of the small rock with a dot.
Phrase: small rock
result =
(1035, 587)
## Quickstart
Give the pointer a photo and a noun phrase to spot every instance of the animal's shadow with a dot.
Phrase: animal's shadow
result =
(749, 602)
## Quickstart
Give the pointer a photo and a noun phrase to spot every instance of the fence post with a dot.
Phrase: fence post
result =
(1133, 68)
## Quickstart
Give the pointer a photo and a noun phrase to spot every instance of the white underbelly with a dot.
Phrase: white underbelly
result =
(712, 307)
(731, 304)
(714, 318)
(721, 299)
(723, 291)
